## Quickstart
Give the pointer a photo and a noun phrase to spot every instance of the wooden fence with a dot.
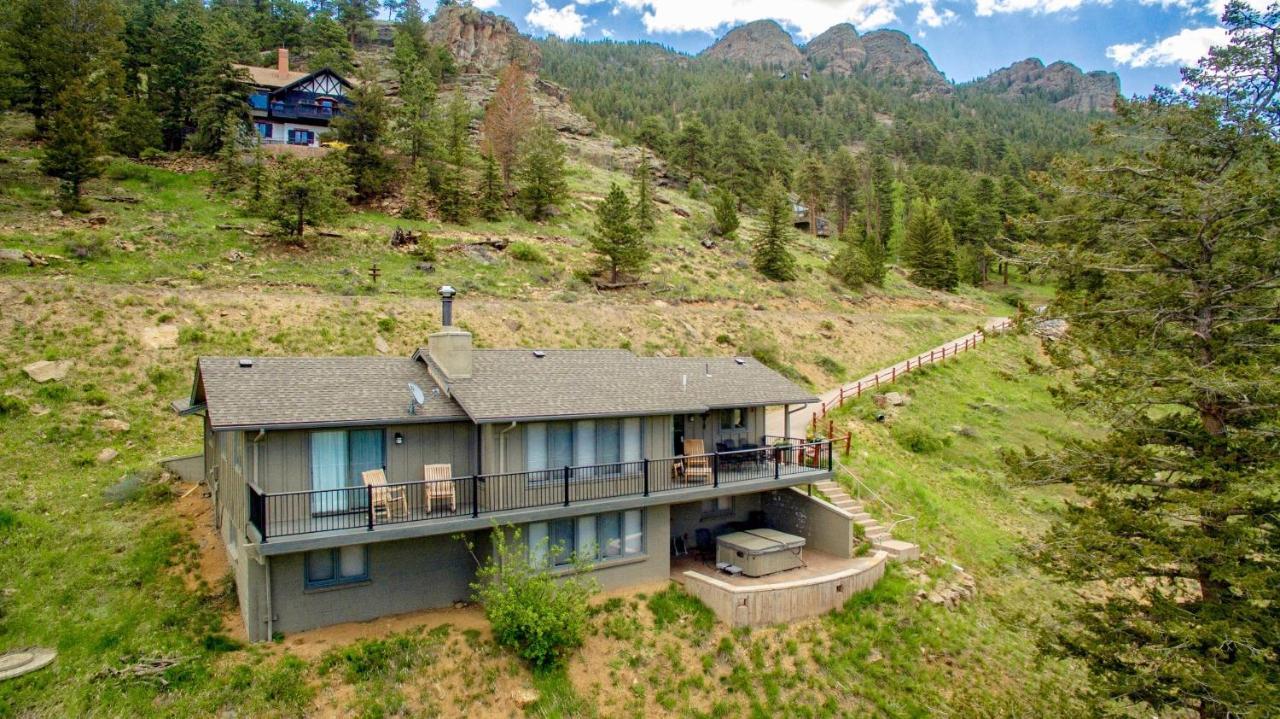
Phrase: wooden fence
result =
(888, 376)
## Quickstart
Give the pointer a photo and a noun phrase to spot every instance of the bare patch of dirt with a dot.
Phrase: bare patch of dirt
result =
(209, 569)
(315, 642)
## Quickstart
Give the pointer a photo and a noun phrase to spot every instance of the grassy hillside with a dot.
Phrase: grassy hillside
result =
(115, 566)
(105, 562)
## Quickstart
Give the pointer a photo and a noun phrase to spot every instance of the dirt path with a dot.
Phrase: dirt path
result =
(776, 424)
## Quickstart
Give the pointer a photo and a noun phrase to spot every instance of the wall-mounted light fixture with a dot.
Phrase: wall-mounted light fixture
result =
(399, 438)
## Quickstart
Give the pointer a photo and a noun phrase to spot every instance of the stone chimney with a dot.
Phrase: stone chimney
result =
(282, 62)
(450, 348)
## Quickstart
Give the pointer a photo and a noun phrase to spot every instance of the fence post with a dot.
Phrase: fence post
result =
(715, 469)
(830, 456)
(848, 440)
(930, 355)
(566, 485)
(841, 395)
(831, 429)
(368, 493)
(475, 495)
(859, 388)
(646, 476)
(777, 459)
(893, 373)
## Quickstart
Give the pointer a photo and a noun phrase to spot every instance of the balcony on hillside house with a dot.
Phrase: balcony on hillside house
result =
(448, 504)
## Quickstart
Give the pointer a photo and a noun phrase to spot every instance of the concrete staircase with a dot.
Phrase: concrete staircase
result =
(875, 532)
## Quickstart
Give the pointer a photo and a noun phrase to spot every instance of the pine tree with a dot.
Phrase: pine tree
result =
(738, 165)
(492, 201)
(542, 173)
(693, 148)
(1168, 269)
(844, 188)
(772, 258)
(363, 127)
(136, 129)
(812, 186)
(877, 193)
(231, 171)
(58, 42)
(307, 192)
(325, 44)
(73, 147)
(616, 238)
(415, 126)
(223, 91)
(645, 211)
(850, 264)
(725, 207)
(929, 248)
(453, 202)
(506, 120)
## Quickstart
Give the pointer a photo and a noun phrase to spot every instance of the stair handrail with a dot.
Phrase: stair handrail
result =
(860, 485)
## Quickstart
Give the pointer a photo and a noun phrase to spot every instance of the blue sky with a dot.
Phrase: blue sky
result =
(1144, 41)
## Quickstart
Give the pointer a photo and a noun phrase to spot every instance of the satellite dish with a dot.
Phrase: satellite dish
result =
(418, 398)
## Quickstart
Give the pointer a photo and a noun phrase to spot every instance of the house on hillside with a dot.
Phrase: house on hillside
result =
(340, 485)
(294, 108)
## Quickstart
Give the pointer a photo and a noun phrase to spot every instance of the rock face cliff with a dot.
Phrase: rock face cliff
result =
(1060, 83)
(481, 41)
(892, 56)
(762, 43)
(838, 51)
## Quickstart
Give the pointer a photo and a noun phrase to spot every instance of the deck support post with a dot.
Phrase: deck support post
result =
(368, 496)
(646, 476)
(475, 495)
(567, 471)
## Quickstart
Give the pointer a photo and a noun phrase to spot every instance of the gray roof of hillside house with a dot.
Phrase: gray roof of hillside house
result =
(510, 385)
(281, 392)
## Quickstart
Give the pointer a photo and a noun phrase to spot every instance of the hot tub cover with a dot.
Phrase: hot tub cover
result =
(761, 541)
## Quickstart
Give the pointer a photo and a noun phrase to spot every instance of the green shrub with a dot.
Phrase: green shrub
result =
(526, 252)
(88, 248)
(672, 606)
(386, 325)
(391, 658)
(542, 618)
(11, 406)
(918, 439)
(830, 366)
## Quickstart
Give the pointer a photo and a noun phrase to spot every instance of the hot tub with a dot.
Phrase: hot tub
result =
(760, 551)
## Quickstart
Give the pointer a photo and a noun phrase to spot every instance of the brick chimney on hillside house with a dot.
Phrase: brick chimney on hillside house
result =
(450, 348)
(282, 62)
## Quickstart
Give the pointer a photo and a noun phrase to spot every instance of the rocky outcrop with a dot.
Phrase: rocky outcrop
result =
(838, 51)
(893, 57)
(1060, 83)
(762, 42)
(481, 41)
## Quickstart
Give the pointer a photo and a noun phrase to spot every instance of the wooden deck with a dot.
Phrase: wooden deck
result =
(824, 583)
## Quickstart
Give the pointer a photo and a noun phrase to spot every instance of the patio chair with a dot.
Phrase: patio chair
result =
(730, 455)
(438, 486)
(696, 468)
(387, 502)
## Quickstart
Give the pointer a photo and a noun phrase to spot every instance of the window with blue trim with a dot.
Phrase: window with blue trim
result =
(264, 129)
(335, 567)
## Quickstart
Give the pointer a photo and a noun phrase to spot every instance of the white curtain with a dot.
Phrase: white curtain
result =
(632, 532)
(631, 450)
(538, 543)
(328, 470)
(535, 446)
(584, 442)
(351, 561)
(587, 547)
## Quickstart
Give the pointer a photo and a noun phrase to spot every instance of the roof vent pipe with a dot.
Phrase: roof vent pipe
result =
(446, 305)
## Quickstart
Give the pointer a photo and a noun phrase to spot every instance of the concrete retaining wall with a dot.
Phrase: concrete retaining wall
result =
(766, 604)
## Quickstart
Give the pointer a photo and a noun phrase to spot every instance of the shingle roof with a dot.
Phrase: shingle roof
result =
(270, 76)
(732, 381)
(508, 385)
(312, 391)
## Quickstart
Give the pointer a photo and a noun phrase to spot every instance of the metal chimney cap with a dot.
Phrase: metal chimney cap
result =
(447, 292)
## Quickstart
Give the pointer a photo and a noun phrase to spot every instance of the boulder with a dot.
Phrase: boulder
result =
(158, 338)
(107, 455)
(115, 426)
(46, 371)
(761, 43)
(380, 345)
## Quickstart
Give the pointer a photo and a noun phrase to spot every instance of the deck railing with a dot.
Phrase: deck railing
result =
(277, 514)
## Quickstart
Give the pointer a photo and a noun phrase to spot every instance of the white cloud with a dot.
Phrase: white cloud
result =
(486, 4)
(1182, 49)
(565, 21)
(984, 8)
(606, 33)
(807, 17)
(930, 17)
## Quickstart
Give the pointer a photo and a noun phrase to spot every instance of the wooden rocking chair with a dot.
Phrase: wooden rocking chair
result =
(695, 467)
(438, 486)
(388, 502)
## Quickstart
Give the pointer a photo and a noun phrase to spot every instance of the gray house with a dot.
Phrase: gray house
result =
(340, 484)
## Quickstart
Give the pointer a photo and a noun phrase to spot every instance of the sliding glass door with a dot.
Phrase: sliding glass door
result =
(338, 458)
